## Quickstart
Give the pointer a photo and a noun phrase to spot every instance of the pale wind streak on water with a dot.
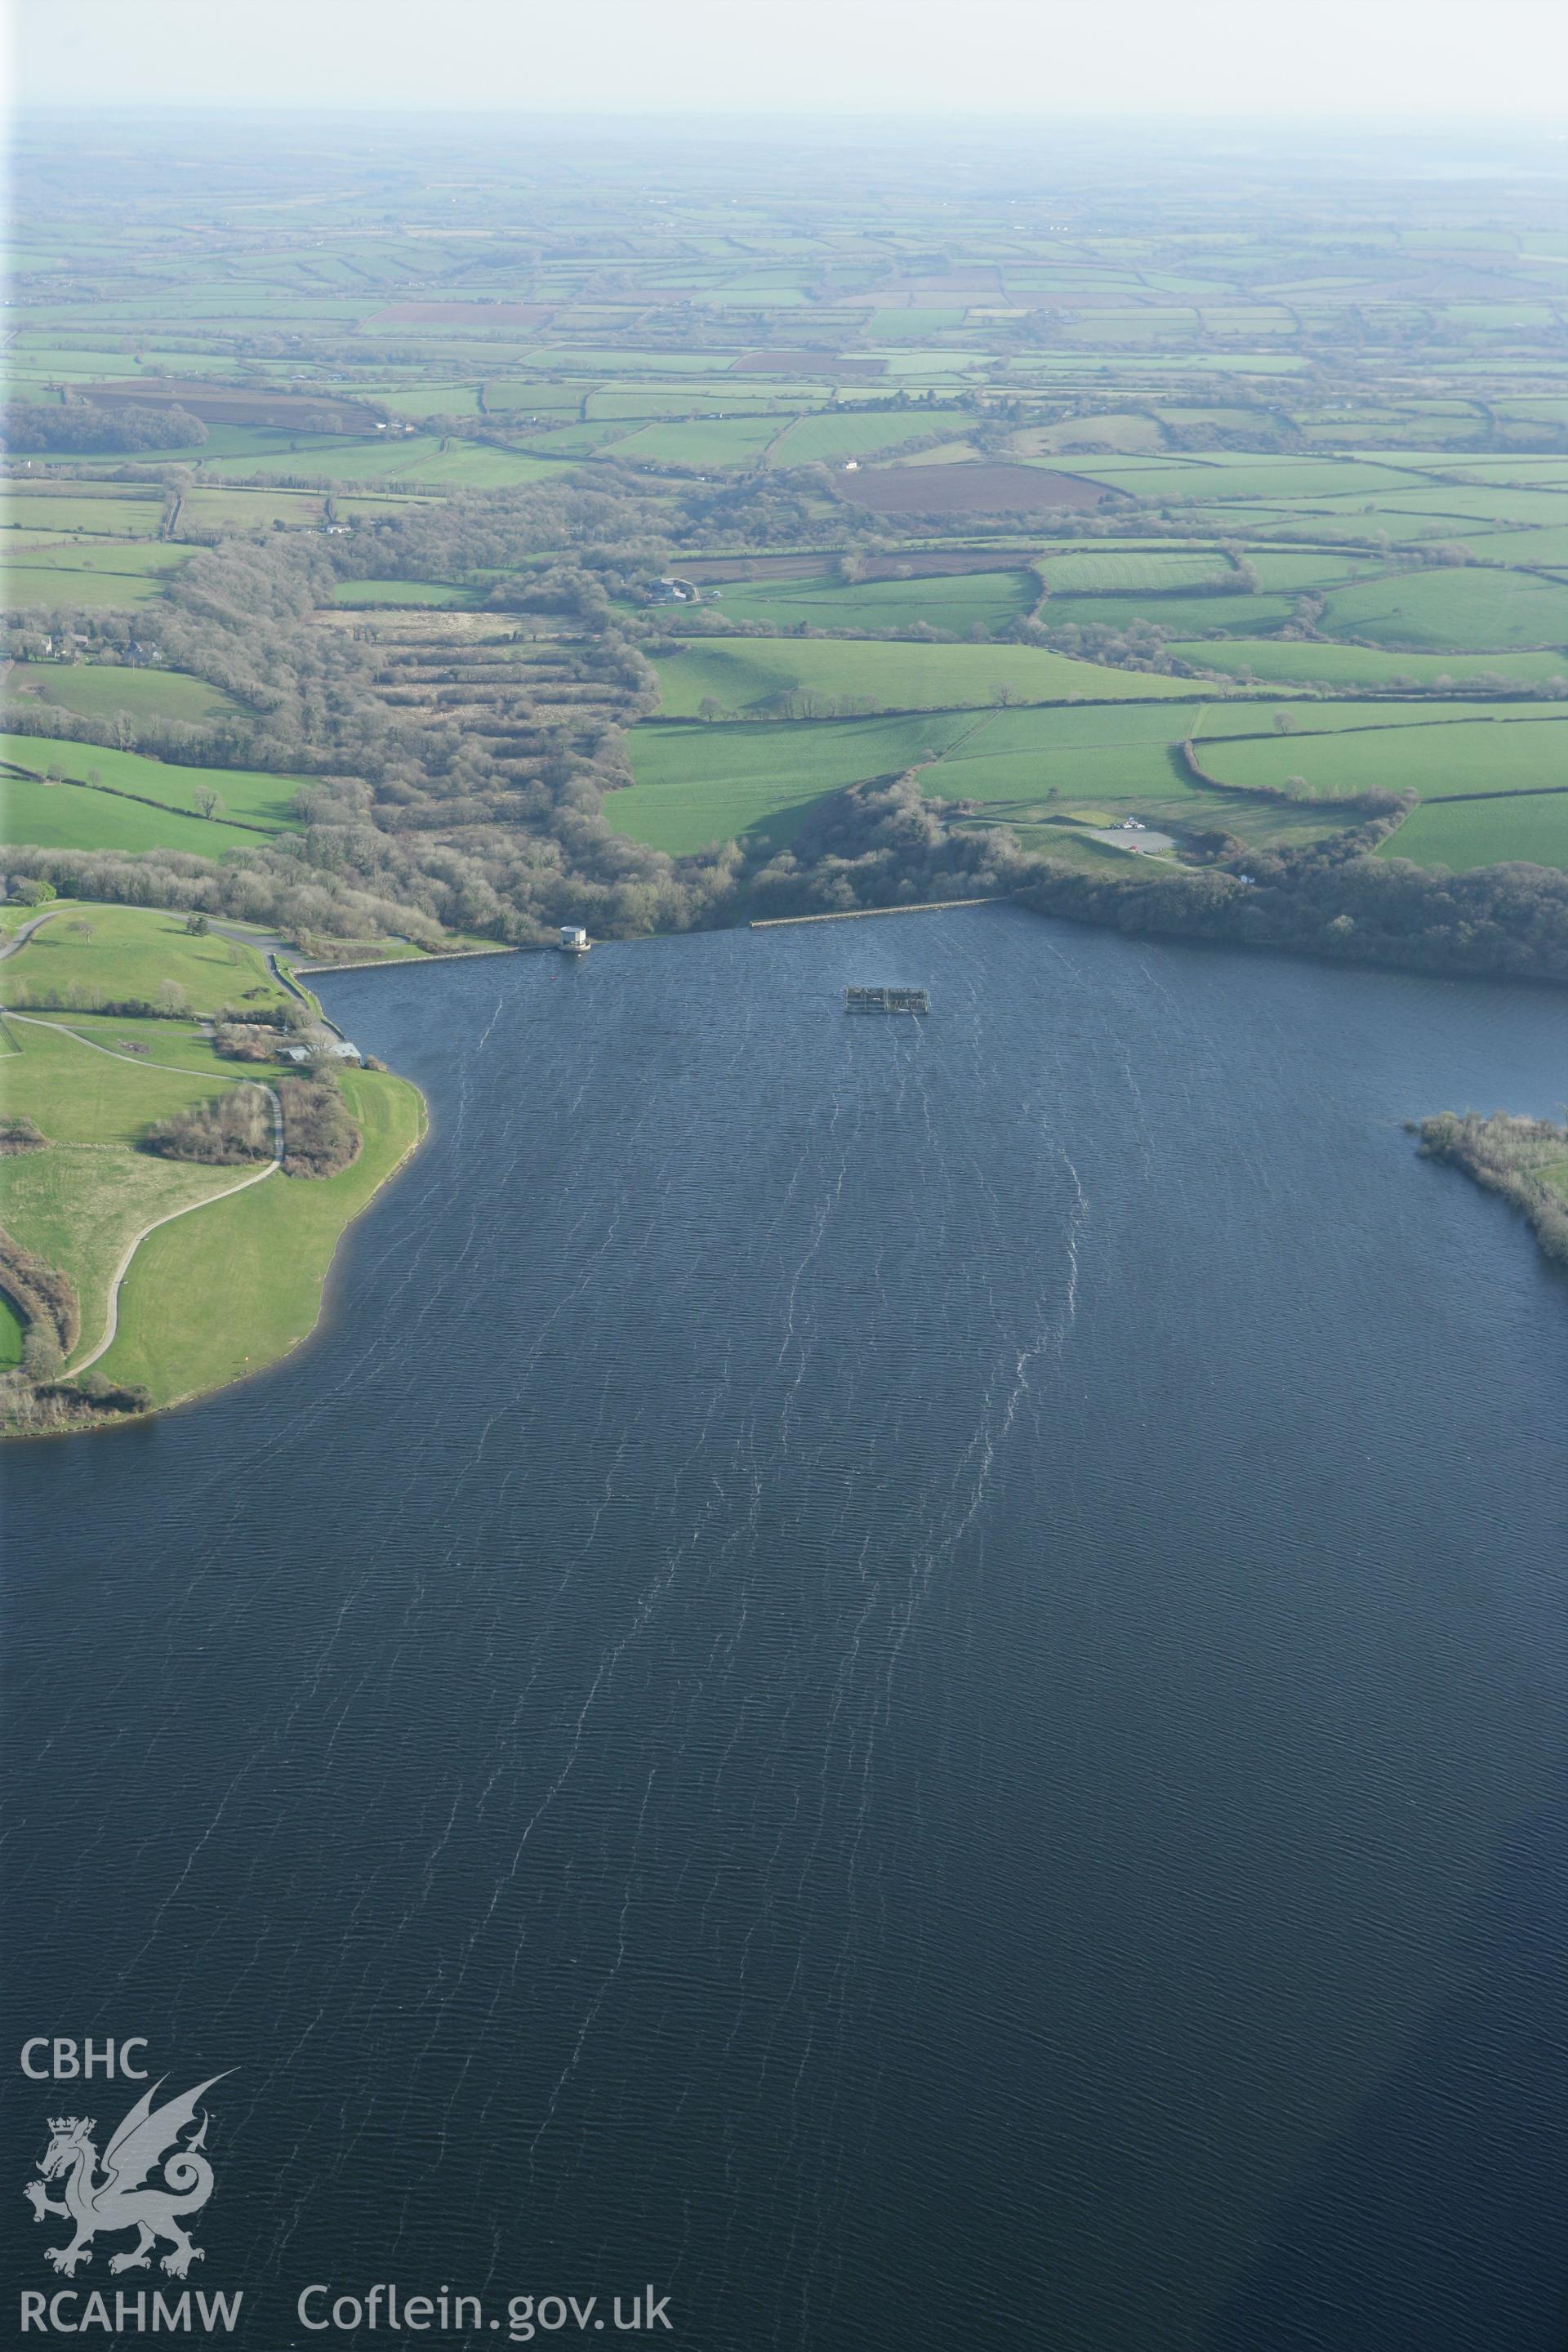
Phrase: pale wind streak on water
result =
(876, 1670)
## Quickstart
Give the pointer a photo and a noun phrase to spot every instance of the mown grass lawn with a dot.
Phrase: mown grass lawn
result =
(78, 1205)
(78, 1202)
(176, 1045)
(79, 1096)
(209, 1305)
(129, 952)
(234, 1286)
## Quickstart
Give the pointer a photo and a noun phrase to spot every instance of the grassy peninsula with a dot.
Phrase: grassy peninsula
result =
(1526, 1159)
(173, 1184)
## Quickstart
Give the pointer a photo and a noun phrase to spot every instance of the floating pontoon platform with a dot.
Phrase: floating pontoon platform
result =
(886, 1000)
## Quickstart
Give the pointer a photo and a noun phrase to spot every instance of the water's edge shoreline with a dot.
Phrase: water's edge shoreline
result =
(1488, 1150)
(1521, 1159)
(92, 1423)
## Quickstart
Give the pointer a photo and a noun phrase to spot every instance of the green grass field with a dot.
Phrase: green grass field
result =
(1455, 609)
(1119, 433)
(233, 1287)
(206, 1304)
(729, 396)
(71, 816)
(259, 453)
(721, 443)
(1481, 755)
(421, 400)
(757, 674)
(1287, 571)
(1028, 766)
(714, 335)
(828, 440)
(1115, 571)
(1295, 663)
(1548, 546)
(578, 439)
(1340, 716)
(180, 1044)
(1089, 759)
(23, 508)
(77, 557)
(507, 396)
(1455, 508)
(77, 1204)
(11, 1336)
(99, 690)
(89, 573)
(698, 785)
(79, 1096)
(359, 594)
(251, 794)
(130, 951)
(1239, 615)
(1118, 779)
(1228, 474)
(204, 510)
(1463, 833)
(955, 601)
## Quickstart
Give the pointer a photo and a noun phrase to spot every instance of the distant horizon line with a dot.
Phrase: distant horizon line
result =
(1079, 116)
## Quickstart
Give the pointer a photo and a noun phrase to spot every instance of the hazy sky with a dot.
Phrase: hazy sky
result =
(1421, 58)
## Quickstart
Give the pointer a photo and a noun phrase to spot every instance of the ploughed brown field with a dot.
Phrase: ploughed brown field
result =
(253, 405)
(968, 489)
(463, 314)
(804, 361)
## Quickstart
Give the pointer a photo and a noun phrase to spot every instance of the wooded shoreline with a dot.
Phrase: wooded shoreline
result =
(1525, 1160)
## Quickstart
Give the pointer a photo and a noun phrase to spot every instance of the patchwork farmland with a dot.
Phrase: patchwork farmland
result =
(657, 539)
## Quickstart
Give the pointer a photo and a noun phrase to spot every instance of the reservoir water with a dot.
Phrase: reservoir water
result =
(906, 1677)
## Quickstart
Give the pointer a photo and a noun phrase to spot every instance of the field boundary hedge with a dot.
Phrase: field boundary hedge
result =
(143, 800)
(1277, 791)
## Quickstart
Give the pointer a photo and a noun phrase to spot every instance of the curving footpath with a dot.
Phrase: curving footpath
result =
(20, 937)
(259, 1175)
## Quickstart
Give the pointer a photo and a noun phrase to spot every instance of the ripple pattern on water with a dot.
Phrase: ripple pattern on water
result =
(883, 1672)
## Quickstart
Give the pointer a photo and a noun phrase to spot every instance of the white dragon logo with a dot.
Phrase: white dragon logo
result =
(118, 2200)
